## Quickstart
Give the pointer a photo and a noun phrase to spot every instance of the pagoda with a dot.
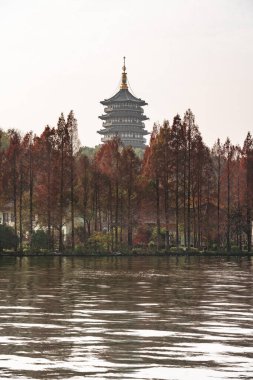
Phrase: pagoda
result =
(124, 116)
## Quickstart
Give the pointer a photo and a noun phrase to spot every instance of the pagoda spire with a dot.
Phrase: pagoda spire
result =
(124, 85)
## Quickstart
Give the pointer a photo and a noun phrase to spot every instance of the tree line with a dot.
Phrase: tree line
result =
(180, 193)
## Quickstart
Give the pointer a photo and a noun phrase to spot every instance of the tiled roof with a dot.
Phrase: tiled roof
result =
(124, 128)
(123, 95)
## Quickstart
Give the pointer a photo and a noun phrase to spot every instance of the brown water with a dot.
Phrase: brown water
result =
(126, 318)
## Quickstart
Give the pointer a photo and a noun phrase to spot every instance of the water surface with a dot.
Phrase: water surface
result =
(126, 318)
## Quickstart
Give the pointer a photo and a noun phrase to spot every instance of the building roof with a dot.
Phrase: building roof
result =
(124, 128)
(7, 206)
(123, 95)
(124, 113)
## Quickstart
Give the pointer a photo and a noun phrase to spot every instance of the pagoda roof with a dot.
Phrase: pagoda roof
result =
(123, 95)
(117, 129)
(134, 114)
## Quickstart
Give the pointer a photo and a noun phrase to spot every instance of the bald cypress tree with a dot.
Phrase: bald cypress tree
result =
(130, 166)
(217, 153)
(151, 172)
(12, 155)
(189, 121)
(229, 154)
(61, 132)
(31, 184)
(163, 155)
(73, 145)
(177, 147)
(248, 155)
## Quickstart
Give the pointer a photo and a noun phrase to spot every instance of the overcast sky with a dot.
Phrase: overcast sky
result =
(58, 55)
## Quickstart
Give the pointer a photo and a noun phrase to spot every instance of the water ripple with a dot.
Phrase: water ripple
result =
(126, 318)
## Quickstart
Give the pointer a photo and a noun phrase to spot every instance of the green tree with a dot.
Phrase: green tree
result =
(39, 240)
(8, 238)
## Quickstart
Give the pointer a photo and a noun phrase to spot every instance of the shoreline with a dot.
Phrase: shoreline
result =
(156, 254)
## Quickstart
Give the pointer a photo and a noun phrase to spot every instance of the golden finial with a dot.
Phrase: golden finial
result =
(124, 85)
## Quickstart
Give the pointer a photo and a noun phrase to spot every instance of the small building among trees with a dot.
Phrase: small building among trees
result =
(7, 215)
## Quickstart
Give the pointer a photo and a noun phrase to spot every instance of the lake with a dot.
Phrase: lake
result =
(126, 318)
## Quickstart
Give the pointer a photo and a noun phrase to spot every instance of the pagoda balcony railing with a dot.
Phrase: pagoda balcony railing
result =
(131, 107)
(125, 140)
(123, 123)
(134, 113)
(132, 140)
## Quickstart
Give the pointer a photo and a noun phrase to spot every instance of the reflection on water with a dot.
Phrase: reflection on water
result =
(126, 318)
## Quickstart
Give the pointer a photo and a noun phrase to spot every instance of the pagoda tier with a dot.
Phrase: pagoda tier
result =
(118, 114)
(124, 117)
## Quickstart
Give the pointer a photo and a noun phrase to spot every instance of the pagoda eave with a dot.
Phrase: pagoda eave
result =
(118, 115)
(123, 95)
(113, 130)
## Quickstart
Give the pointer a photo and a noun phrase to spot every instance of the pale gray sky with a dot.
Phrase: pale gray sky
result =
(58, 55)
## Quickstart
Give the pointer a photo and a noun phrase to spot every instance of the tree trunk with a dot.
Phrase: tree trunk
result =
(208, 212)
(239, 233)
(184, 195)
(121, 219)
(30, 194)
(189, 191)
(21, 208)
(72, 198)
(166, 211)
(116, 213)
(49, 237)
(248, 201)
(194, 218)
(177, 199)
(228, 206)
(111, 215)
(15, 195)
(218, 201)
(61, 195)
(199, 210)
(158, 223)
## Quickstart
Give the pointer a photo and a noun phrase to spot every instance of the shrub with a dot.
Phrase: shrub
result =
(193, 249)
(235, 249)
(8, 238)
(163, 250)
(79, 249)
(151, 244)
(177, 249)
(142, 236)
(99, 241)
(39, 240)
(155, 233)
(137, 251)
